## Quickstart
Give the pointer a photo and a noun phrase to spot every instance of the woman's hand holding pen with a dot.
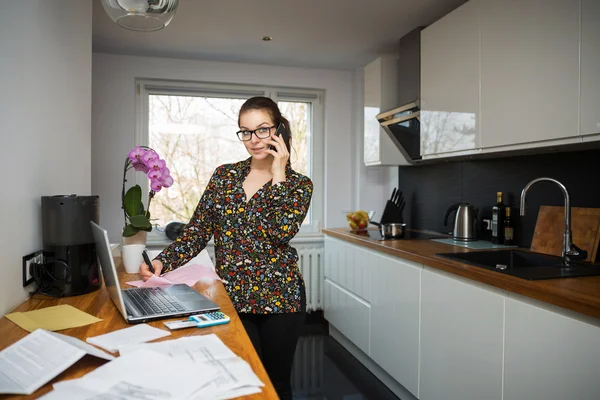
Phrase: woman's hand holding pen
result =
(280, 157)
(145, 270)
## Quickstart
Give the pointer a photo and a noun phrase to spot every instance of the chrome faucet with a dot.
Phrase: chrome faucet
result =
(570, 252)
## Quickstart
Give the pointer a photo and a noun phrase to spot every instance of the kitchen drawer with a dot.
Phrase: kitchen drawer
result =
(349, 314)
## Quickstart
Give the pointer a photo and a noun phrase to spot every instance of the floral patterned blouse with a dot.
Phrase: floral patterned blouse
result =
(253, 257)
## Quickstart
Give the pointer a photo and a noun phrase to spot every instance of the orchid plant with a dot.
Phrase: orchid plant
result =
(146, 160)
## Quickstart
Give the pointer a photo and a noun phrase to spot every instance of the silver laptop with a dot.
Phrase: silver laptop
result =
(146, 304)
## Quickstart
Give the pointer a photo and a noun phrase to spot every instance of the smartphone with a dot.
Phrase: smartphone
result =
(278, 131)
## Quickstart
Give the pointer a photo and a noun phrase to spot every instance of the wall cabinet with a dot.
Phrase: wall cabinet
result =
(450, 82)
(461, 340)
(529, 71)
(510, 75)
(590, 67)
(380, 94)
(549, 356)
(395, 319)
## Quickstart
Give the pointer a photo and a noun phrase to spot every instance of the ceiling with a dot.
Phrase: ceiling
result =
(333, 34)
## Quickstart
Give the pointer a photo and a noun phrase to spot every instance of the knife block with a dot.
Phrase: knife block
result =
(391, 214)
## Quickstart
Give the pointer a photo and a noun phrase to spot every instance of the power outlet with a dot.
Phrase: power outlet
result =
(33, 258)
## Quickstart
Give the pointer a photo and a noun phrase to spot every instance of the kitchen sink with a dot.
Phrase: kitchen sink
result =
(523, 264)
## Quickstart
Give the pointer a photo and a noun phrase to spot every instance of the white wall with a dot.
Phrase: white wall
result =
(45, 119)
(113, 121)
(372, 185)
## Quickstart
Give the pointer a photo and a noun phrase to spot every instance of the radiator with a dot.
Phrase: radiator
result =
(310, 262)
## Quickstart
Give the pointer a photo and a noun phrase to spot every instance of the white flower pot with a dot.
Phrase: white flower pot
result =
(139, 238)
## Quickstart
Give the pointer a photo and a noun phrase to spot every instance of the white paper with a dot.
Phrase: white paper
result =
(70, 393)
(91, 350)
(133, 335)
(239, 392)
(196, 348)
(28, 364)
(160, 377)
(234, 376)
(93, 389)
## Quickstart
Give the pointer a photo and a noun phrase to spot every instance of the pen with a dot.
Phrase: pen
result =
(147, 261)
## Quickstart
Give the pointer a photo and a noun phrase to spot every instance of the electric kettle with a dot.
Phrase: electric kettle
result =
(465, 221)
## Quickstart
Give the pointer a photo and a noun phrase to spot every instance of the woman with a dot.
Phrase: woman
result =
(253, 208)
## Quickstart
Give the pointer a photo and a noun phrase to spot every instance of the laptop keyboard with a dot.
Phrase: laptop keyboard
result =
(153, 301)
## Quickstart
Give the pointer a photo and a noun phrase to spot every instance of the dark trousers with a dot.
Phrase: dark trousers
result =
(274, 337)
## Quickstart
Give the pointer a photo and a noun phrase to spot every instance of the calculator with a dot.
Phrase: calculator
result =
(199, 321)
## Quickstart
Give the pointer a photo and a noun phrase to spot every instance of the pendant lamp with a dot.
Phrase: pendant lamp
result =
(141, 15)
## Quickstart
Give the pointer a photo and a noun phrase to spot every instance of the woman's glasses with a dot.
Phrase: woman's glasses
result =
(261, 133)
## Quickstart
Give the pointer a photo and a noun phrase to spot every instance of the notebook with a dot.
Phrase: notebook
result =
(146, 304)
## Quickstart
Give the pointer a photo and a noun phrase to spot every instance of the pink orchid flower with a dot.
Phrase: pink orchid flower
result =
(148, 156)
(155, 185)
(156, 164)
(166, 178)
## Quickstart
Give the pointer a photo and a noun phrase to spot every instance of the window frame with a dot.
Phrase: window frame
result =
(147, 87)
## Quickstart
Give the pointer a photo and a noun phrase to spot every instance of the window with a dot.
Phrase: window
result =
(192, 126)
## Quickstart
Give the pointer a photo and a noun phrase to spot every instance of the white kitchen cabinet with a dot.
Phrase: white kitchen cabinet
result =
(380, 94)
(348, 266)
(450, 82)
(395, 319)
(590, 67)
(461, 339)
(347, 290)
(530, 71)
(549, 356)
(349, 314)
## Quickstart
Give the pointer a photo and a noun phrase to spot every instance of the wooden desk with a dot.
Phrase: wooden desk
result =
(99, 304)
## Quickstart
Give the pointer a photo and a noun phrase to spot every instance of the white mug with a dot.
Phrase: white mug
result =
(132, 257)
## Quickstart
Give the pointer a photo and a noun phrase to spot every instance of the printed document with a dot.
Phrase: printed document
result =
(28, 364)
(234, 376)
(198, 348)
(143, 375)
(136, 334)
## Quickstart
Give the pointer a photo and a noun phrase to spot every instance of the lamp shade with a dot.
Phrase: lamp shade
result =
(141, 15)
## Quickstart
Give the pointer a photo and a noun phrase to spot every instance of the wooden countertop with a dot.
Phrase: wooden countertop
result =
(578, 294)
(99, 304)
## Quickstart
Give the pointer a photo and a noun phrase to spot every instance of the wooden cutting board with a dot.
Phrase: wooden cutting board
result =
(585, 228)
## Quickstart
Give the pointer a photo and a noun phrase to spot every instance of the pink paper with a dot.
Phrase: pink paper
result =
(189, 275)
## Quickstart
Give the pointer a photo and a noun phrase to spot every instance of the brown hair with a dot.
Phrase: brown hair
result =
(265, 103)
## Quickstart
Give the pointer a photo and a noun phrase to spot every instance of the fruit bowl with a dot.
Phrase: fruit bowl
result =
(359, 220)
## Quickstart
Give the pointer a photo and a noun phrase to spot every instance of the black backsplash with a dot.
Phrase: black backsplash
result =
(430, 189)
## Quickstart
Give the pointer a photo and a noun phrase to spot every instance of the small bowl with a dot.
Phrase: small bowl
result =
(366, 222)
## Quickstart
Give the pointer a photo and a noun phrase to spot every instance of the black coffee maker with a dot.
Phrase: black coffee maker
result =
(70, 265)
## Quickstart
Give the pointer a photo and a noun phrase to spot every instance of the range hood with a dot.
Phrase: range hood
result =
(402, 123)
(403, 126)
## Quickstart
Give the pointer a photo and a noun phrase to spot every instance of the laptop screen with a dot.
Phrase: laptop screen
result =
(107, 264)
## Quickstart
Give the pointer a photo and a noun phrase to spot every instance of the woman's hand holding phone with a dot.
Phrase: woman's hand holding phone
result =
(278, 150)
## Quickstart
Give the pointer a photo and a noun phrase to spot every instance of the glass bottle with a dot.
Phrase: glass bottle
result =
(508, 228)
(498, 220)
